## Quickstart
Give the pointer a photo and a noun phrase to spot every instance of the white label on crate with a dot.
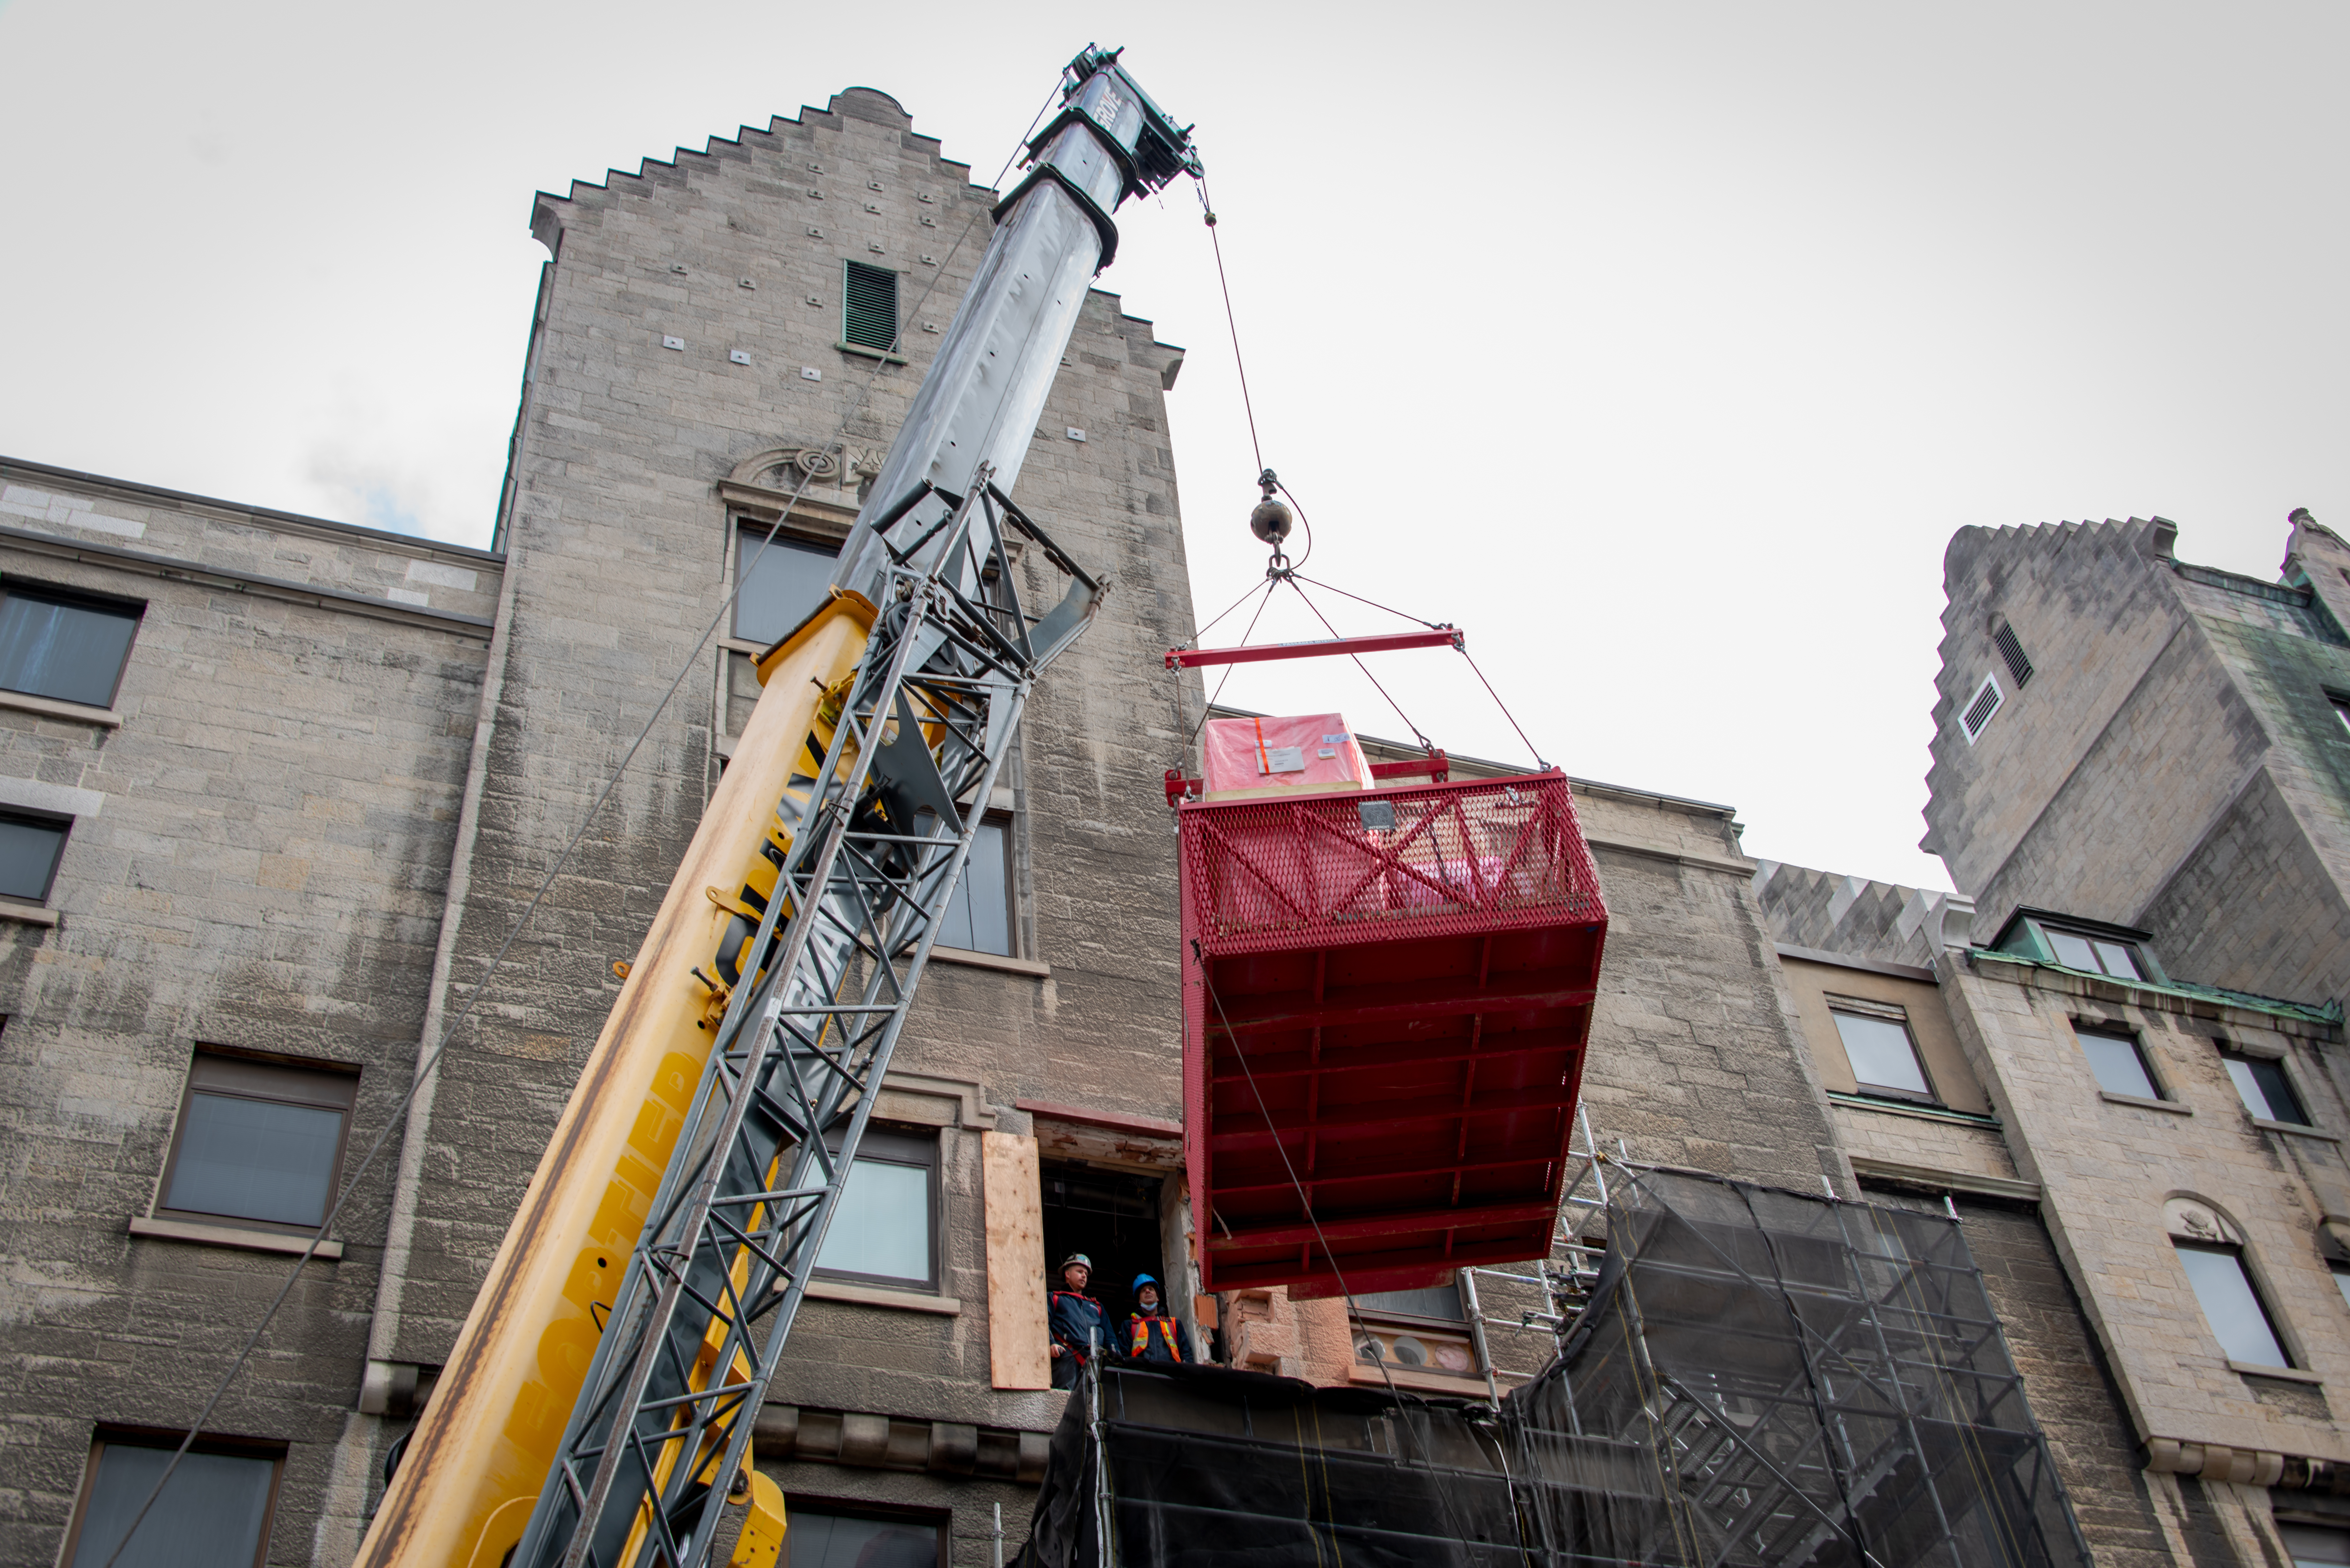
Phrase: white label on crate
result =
(1326, 753)
(1334, 740)
(1284, 759)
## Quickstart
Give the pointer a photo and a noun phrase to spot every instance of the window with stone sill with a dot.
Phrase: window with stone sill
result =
(2342, 1280)
(979, 915)
(214, 1512)
(885, 1228)
(2223, 1288)
(2261, 1083)
(259, 1142)
(1881, 1051)
(2341, 704)
(66, 646)
(2117, 1060)
(1421, 1331)
(829, 1534)
(31, 845)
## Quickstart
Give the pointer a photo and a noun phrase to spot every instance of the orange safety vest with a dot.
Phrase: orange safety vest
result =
(1141, 1327)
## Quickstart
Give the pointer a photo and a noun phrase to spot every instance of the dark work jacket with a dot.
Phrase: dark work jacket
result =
(1073, 1317)
(1154, 1337)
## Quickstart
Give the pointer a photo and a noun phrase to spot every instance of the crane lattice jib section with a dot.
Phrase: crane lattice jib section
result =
(1460, 858)
(1387, 996)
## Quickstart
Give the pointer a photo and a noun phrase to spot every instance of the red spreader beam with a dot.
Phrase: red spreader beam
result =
(1387, 997)
(1200, 658)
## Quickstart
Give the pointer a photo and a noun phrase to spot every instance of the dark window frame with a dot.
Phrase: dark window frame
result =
(2137, 950)
(2292, 1094)
(940, 1518)
(749, 533)
(2105, 1030)
(113, 604)
(160, 1438)
(2252, 1284)
(191, 1087)
(65, 825)
(898, 1144)
(1884, 1012)
(2340, 702)
(1008, 822)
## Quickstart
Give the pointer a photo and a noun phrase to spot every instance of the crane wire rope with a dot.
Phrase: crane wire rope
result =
(1290, 574)
(1354, 1311)
(430, 1062)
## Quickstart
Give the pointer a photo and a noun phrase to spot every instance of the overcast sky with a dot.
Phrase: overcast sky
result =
(1661, 348)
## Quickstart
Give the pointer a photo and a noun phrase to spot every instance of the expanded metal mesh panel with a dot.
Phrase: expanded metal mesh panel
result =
(1387, 999)
(1387, 864)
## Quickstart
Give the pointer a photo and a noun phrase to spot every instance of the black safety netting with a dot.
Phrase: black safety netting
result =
(1760, 1377)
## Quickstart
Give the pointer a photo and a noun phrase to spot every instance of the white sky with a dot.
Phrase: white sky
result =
(1661, 348)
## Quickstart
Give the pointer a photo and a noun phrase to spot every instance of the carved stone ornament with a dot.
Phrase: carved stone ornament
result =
(2192, 1221)
(830, 475)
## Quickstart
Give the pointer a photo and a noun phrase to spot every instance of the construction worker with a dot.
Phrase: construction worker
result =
(1077, 1323)
(1150, 1334)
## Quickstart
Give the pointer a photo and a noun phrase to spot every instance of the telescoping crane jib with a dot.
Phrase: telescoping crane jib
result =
(597, 1403)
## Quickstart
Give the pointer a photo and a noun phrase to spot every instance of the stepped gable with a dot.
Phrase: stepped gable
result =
(746, 146)
(1856, 918)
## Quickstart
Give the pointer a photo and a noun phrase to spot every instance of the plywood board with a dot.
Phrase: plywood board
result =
(1018, 1347)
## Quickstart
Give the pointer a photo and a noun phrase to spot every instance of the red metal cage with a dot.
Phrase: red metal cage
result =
(1387, 997)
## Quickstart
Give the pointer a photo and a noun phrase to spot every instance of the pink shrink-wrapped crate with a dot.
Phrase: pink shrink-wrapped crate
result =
(1308, 753)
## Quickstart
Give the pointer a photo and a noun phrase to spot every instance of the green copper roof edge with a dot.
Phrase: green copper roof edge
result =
(2331, 1013)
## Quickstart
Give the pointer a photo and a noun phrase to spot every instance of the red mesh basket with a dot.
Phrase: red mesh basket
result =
(1387, 999)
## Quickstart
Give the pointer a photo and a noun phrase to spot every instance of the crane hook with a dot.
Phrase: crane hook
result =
(1270, 523)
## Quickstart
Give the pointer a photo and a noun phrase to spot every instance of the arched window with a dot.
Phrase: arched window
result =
(2212, 1250)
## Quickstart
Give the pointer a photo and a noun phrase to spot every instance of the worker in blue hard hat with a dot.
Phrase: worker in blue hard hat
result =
(1079, 1329)
(1150, 1334)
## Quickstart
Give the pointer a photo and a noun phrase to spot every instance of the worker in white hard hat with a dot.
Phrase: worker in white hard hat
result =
(1078, 1327)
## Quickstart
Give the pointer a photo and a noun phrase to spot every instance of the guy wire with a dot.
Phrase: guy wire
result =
(431, 1060)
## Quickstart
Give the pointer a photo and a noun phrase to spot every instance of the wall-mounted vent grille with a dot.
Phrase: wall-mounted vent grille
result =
(1986, 701)
(868, 307)
(2010, 647)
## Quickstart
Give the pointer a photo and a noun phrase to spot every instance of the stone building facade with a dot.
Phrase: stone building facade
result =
(2146, 1168)
(2167, 747)
(341, 765)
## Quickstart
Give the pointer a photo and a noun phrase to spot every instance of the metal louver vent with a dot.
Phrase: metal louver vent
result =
(1987, 700)
(868, 307)
(2010, 647)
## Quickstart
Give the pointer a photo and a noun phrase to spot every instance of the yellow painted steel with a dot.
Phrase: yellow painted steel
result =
(476, 1465)
(761, 1544)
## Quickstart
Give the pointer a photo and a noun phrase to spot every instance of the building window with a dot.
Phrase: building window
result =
(260, 1142)
(2341, 703)
(868, 307)
(30, 848)
(2118, 1061)
(213, 1513)
(2261, 1085)
(885, 1228)
(2342, 1281)
(2223, 1288)
(1878, 1045)
(825, 1535)
(2095, 955)
(2011, 648)
(781, 583)
(2316, 1545)
(1423, 1330)
(979, 916)
(1980, 708)
(65, 646)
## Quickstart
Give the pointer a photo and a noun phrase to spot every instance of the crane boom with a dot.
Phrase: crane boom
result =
(597, 1402)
